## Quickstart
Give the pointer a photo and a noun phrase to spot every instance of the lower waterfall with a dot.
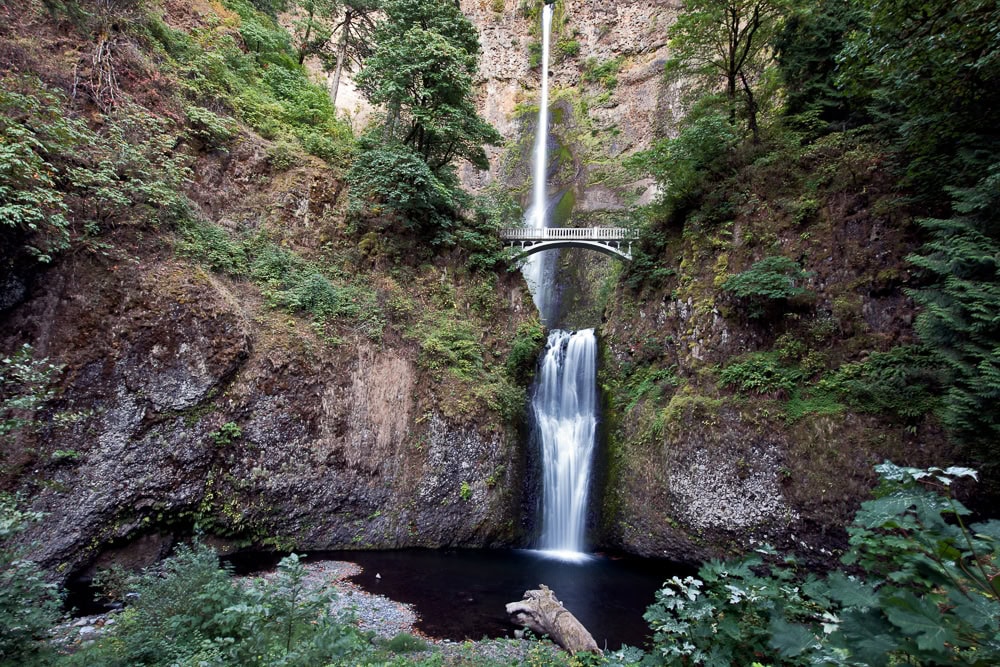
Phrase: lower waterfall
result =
(564, 407)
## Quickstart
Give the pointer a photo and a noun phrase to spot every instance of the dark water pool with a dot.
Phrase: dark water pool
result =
(460, 594)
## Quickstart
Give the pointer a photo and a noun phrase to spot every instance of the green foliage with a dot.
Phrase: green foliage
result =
(924, 591)
(227, 434)
(421, 70)
(211, 245)
(906, 381)
(807, 48)
(406, 643)
(768, 282)
(35, 135)
(492, 210)
(683, 166)
(29, 606)
(932, 73)
(291, 283)
(465, 491)
(648, 382)
(524, 351)
(602, 72)
(266, 87)
(26, 385)
(453, 345)
(395, 178)
(761, 373)
(570, 48)
(189, 611)
(958, 320)
(287, 281)
(727, 45)
(211, 129)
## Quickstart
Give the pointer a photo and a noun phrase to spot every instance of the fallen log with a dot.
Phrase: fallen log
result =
(542, 613)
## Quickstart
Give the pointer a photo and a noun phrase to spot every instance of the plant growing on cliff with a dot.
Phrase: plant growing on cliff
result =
(926, 591)
(420, 71)
(26, 384)
(769, 282)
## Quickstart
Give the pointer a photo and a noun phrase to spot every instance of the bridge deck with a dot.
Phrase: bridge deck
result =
(568, 234)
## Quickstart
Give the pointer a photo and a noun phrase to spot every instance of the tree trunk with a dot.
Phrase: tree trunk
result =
(751, 109)
(341, 53)
(542, 613)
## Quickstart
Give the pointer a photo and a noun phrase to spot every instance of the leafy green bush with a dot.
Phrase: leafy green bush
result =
(395, 178)
(210, 128)
(453, 345)
(604, 72)
(36, 136)
(569, 48)
(925, 590)
(212, 246)
(761, 373)
(29, 606)
(26, 385)
(522, 359)
(769, 281)
(189, 611)
(907, 381)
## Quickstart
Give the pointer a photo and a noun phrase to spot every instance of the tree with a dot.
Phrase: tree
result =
(421, 71)
(355, 29)
(933, 72)
(960, 311)
(807, 50)
(313, 26)
(727, 42)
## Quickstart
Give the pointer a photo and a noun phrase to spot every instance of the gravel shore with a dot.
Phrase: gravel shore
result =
(387, 618)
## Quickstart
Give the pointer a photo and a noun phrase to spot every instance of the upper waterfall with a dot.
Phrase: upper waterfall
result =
(539, 269)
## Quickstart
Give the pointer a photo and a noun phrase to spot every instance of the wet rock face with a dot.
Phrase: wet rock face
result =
(331, 449)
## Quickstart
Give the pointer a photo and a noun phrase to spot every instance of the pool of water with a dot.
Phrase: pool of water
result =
(461, 594)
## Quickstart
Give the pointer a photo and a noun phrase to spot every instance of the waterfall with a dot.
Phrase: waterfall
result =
(538, 270)
(565, 412)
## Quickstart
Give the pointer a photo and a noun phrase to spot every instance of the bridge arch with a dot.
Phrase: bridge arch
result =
(604, 248)
(606, 240)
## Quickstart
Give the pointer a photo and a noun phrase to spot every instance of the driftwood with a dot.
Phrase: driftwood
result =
(542, 613)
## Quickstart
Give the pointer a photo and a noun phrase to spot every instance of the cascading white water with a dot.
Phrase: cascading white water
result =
(538, 268)
(565, 412)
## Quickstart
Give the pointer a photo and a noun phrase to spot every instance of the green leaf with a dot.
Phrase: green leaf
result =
(920, 619)
(790, 639)
(851, 592)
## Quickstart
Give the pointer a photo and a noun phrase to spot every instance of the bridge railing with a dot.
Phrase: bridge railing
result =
(569, 233)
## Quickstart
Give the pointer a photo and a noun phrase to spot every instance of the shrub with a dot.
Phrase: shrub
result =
(188, 610)
(907, 381)
(211, 129)
(603, 72)
(925, 589)
(769, 281)
(761, 373)
(523, 356)
(29, 607)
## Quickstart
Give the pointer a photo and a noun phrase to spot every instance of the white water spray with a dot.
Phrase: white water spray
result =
(565, 411)
(538, 268)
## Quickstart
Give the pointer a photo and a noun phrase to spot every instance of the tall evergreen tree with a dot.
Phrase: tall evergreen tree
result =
(421, 71)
